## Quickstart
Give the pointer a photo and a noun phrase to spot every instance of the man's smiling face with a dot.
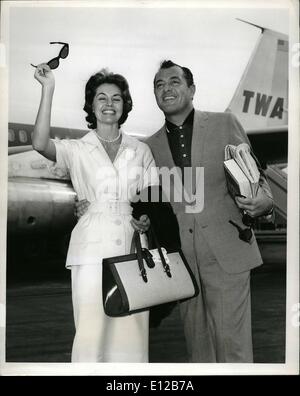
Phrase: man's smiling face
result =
(173, 95)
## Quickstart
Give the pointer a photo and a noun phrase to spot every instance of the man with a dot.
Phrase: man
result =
(217, 323)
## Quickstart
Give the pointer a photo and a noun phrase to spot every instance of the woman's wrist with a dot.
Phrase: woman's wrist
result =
(48, 89)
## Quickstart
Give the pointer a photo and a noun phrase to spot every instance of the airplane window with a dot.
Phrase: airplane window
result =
(23, 136)
(11, 135)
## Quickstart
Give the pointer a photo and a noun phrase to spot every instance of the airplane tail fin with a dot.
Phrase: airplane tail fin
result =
(261, 98)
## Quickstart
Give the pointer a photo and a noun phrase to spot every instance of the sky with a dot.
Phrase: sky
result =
(131, 40)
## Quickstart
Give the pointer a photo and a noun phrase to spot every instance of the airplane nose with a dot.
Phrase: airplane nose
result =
(37, 206)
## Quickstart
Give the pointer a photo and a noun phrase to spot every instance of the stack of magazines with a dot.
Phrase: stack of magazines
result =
(241, 171)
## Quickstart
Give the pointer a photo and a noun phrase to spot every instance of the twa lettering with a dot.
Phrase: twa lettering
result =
(262, 104)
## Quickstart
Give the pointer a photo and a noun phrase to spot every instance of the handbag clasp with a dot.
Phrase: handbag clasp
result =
(148, 258)
(167, 270)
(144, 275)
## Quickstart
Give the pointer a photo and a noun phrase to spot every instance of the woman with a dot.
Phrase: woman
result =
(107, 168)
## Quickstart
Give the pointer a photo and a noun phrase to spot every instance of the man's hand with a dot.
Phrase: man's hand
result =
(81, 207)
(258, 206)
(142, 225)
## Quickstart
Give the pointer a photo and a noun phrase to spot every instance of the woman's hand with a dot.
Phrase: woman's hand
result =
(142, 225)
(44, 75)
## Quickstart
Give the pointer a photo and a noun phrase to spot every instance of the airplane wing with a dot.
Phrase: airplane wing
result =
(19, 149)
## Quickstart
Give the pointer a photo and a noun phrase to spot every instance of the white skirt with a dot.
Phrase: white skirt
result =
(98, 337)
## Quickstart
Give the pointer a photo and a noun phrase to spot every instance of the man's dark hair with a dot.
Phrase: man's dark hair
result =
(188, 75)
(94, 82)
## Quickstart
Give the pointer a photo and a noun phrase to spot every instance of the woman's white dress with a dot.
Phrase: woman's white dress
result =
(104, 231)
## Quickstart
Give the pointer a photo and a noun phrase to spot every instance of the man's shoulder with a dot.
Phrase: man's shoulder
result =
(136, 144)
(215, 114)
(153, 138)
(224, 121)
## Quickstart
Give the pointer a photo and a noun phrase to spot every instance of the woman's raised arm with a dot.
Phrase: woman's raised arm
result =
(41, 141)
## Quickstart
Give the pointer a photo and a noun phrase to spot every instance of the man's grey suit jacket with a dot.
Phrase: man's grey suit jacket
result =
(211, 133)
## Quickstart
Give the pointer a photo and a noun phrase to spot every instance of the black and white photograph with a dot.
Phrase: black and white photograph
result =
(149, 193)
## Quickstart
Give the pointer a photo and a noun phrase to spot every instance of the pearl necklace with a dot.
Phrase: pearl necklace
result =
(107, 140)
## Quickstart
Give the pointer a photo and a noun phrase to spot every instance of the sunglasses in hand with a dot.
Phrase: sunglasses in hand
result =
(63, 53)
(245, 234)
(248, 220)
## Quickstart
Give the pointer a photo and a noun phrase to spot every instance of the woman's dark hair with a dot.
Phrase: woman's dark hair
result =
(102, 77)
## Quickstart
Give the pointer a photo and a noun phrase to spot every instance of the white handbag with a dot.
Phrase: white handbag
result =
(147, 278)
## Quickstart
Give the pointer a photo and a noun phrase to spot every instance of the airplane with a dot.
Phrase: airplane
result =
(261, 99)
(261, 104)
(41, 200)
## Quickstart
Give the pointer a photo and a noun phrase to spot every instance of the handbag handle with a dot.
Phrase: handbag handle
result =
(161, 255)
(143, 254)
(137, 241)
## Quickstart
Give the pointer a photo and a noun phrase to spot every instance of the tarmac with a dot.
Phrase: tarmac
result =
(39, 321)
